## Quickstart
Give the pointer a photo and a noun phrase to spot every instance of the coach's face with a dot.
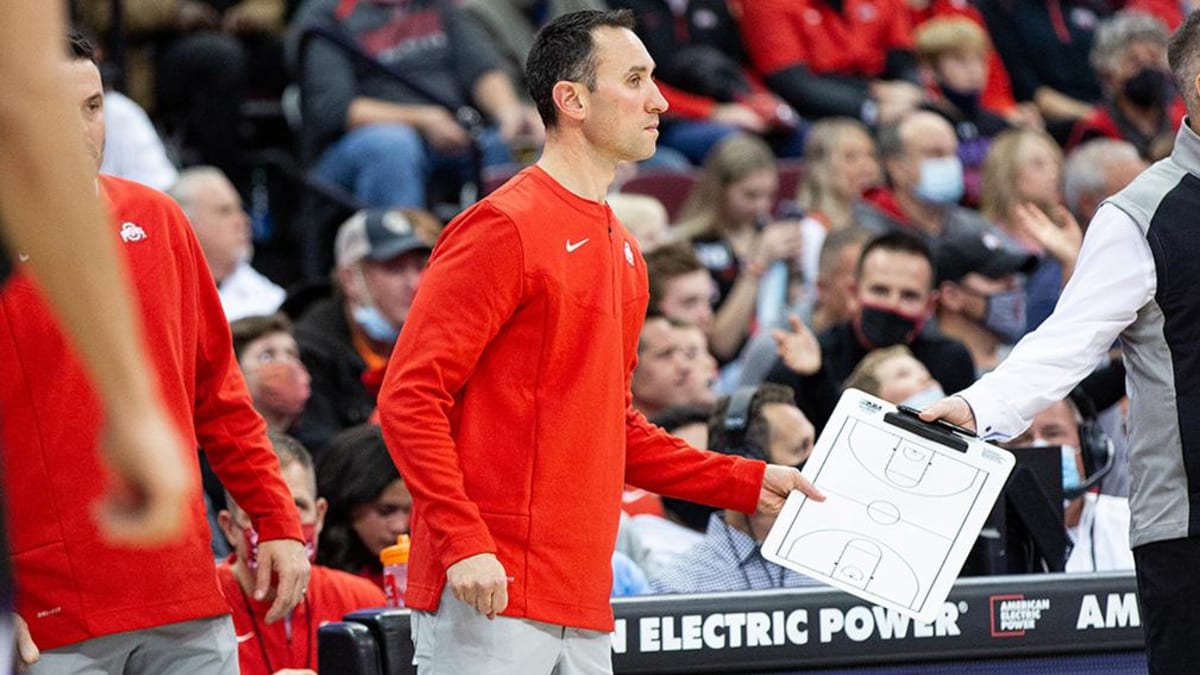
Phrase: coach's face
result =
(87, 90)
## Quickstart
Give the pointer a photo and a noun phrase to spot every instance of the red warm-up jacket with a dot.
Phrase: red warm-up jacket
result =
(71, 584)
(506, 404)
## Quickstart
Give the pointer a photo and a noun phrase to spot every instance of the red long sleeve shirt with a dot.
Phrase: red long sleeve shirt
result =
(506, 404)
(71, 584)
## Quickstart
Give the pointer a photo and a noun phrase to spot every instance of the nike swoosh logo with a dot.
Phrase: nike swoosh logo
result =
(23, 257)
(573, 246)
(245, 638)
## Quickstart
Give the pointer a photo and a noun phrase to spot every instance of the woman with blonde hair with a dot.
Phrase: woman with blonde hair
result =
(1022, 194)
(841, 163)
(727, 218)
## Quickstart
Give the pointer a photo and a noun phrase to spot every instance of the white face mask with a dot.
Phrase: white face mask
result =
(370, 319)
(929, 395)
(1070, 470)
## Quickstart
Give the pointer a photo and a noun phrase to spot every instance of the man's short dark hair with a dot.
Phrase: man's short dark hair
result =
(79, 47)
(1183, 49)
(757, 437)
(898, 241)
(664, 264)
(564, 50)
(251, 328)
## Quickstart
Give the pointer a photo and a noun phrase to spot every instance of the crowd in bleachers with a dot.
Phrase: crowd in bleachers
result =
(871, 193)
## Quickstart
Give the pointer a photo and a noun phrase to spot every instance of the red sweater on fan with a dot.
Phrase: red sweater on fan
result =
(266, 648)
(506, 404)
(71, 584)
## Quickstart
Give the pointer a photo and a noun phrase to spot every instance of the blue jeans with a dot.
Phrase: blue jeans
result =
(391, 164)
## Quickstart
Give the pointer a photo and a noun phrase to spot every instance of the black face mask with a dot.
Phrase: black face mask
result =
(967, 102)
(879, 327)
(1147, 88)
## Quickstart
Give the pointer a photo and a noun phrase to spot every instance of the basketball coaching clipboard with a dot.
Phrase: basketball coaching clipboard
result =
(905, 501)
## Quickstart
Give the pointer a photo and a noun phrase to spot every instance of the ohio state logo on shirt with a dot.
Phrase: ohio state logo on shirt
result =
(131, 232)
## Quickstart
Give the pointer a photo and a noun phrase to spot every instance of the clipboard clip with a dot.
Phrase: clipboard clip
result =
(940, 431)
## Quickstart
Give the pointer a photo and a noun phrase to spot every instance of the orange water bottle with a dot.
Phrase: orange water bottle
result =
(395, 570)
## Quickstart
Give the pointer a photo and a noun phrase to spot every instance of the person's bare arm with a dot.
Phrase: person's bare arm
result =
(1055, 105)
(435, 124)
(51, 214)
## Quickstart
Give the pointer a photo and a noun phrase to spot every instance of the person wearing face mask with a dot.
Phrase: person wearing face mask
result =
(1141, 104)
(214, 208)
(345, 340)
(895, 299)
(288, 646)
(981, 294)
(953, 53)
(1098, 524)
(269, 358)
(920, 157)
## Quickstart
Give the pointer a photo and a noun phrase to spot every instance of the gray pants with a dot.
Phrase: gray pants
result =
(200, 647)
(456, 640)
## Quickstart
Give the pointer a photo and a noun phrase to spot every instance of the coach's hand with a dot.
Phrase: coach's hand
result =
(778, 483)
(286, 558)
(953, 409)
(27, 651)
(480, 581)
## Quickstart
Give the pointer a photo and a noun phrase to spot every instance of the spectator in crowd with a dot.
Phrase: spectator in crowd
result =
(1045, 49)
(644, 216)
(382, 131)
(286, 646)
(954, 56)
(1096, 170)
(380, 256)
(896, 376)
(663, 374)
(920, 157)
(840, 165)
(997, 94)
(680, 286)
(194, 62)
(173, 619)
(705, 75)
(702, 381)
(728, 219)
(1022, 194)
(269, 357)
(981, 295)
(132, 147)
(214, 207)
(836, 300)
(369, 504)
(895, 299)
(1098, 524)
(729, 557)
(825, 60)
(1141, 104)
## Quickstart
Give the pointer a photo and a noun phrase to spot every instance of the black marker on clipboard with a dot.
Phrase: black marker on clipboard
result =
(939, 431)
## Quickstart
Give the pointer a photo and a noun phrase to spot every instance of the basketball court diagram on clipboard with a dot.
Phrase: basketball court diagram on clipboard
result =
(905, 503)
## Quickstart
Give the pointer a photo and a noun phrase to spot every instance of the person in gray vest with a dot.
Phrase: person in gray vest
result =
(1135, 279)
